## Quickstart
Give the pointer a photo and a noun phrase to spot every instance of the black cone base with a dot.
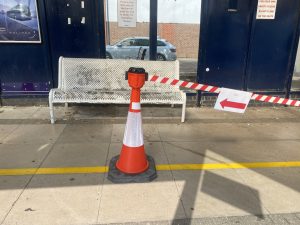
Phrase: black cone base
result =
(116, 176)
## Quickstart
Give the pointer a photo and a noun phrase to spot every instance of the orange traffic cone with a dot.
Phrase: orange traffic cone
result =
(133, 165)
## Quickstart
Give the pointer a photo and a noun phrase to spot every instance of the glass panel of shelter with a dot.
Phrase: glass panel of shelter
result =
(127, 42)
(179, 29)
(296, 77)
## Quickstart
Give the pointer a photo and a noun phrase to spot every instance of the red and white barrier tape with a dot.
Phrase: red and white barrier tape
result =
(213, 89)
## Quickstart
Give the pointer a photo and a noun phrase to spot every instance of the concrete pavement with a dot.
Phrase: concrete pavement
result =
(89, 136)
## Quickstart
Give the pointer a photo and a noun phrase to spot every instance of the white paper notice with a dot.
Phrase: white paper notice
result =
(232, 100)
(266, 9)
(127, 13)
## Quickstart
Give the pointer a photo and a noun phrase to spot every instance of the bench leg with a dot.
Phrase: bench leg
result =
(172, 105)
(183, 109)
(66, 105)
(183, 113)
(52, 117)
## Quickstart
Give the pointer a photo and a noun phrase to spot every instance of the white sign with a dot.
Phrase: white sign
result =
(266, 9)
(232, 100)
(127, 13)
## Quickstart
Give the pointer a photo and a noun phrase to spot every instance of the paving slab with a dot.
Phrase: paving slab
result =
(34, 134)
(232, 151)
(90, 112)
(209, 114)
(77, 155)
(295, 109)
(9, 112)
(122, 111)
(154, 149)
(271, 219)
(279, 112)
(93, 112)
(23, 155)
(11, 188)
(153, 201)
(193, 153)
(166, 111)
(278, 187)
(217, 193)
(158, 200)
(252, 220)
(211, 193)
(57, 200)
(205, 131)
(86, 133)
(6, 130)
(286, 219)
(150, 133)
(276, 131)
(210, 197)
(61, 113)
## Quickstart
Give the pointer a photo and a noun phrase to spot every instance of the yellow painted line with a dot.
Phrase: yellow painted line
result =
(41, 171)
(166, 167)
(220, 166)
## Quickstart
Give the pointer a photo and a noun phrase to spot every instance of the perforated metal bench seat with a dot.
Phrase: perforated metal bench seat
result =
(82, 80)
(117, 97)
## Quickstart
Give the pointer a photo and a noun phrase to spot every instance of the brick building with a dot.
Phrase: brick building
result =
(180, 25)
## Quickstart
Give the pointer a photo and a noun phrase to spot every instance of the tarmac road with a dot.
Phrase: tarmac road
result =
(188, 69)
(296, 82)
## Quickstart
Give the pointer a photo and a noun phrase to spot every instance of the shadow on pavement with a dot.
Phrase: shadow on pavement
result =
(233, 193)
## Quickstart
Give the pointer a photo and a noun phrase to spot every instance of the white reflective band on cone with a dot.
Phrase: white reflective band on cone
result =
(136, 106)
(133, 136)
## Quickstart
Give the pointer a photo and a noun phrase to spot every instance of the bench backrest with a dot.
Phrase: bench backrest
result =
(109, 74)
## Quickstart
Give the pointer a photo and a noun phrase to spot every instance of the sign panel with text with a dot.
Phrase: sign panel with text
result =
(127, 13)
(266, 9)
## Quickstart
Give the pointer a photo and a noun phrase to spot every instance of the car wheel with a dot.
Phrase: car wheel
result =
(160, 57)
(108, 55)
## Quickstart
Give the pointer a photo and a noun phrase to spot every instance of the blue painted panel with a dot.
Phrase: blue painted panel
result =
(225, 32)
(21, 88)
(26, 63)
(272, 46)
(80, 38)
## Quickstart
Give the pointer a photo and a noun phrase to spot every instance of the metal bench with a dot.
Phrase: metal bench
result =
(82, 80)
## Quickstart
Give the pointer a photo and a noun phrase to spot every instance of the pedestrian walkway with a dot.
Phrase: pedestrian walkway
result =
(217, 168)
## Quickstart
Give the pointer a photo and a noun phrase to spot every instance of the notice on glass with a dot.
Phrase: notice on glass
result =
(266, 9)
(127, 13)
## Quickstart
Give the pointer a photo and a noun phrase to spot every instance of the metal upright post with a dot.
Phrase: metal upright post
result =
(107, 22)
(202, 36)
(153, 30)
(101, 23)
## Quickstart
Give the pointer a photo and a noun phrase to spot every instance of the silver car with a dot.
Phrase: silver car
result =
(132, 48)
